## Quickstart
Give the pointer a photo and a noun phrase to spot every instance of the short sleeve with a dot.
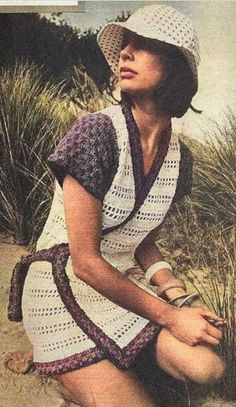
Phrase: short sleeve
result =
(184, 183)
(89, 153)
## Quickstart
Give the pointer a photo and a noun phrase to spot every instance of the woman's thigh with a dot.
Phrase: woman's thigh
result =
(200, 363)
(104, 385)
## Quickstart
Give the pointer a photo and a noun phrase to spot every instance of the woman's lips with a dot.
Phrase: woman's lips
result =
(127, 73)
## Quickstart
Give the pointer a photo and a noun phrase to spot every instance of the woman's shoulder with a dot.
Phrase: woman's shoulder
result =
(96, 122)
(88, 152)
(89, 131)
(98, 126)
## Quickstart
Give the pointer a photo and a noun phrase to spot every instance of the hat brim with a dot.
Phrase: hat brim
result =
(110, 40)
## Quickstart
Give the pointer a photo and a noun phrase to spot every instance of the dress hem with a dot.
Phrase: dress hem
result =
(123, 360)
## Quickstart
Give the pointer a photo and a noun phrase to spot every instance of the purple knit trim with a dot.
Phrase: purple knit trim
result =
(143, 183)
(95, 355)
(70, 363)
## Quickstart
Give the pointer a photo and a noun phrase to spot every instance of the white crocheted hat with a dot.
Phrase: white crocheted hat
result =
(159, 22)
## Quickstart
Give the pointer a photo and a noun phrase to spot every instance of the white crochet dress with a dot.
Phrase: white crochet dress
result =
(60, 343)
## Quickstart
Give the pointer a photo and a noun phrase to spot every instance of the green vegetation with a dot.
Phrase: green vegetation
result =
(215, 173)
(33, 116)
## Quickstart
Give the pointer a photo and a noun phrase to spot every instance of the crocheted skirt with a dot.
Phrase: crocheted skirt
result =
(69, 324)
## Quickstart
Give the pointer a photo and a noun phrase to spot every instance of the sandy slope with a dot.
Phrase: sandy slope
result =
(30, 390)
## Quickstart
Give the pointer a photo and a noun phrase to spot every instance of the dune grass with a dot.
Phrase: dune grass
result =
(34, 115)
(32, 119)
(215, 172)
(84, 93)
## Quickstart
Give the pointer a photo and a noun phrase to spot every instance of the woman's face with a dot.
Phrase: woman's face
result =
(141, 65)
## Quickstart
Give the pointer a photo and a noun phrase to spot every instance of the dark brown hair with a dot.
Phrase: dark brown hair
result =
(174, 94)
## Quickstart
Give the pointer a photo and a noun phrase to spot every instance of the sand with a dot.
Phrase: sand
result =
(30, 390)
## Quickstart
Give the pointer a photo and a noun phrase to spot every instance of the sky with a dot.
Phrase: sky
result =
(215, 23)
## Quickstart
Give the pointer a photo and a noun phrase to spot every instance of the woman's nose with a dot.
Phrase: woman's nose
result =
(127, 52)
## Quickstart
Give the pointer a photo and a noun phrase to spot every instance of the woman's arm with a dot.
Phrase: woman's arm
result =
(147, 254)
(84, 219)
(84, 224)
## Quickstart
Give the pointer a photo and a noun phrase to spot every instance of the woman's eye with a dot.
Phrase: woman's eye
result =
(124, 44)
(125, 41)
(137, 42)
(141, 43)
(131, 39)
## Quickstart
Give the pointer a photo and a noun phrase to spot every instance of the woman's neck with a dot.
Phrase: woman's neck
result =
(152, 123)
(154, 129)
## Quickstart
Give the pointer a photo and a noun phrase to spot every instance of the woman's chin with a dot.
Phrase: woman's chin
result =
(127, 88)
(138, 94)
(131, 90)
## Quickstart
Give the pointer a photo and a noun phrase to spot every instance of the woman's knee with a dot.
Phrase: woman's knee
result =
(200, 364)
(206, 369)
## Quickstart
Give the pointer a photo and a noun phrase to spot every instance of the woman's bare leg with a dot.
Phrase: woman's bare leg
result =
(104, 385)
(200, 364)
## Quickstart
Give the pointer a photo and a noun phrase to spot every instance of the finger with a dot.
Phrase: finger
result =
(217, 323)
(209, 339)
(211, 315)
(220, 323)
(213, 331)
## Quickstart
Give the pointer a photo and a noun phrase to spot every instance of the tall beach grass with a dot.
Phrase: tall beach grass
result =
(34, 115)
(32, 119)
(215, 171)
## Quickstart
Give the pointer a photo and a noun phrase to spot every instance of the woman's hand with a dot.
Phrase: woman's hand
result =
(192, 326)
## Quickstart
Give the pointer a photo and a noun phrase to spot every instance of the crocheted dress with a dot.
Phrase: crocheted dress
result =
(73, 327)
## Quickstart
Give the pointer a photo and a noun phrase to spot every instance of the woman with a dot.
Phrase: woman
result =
(119, 171)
